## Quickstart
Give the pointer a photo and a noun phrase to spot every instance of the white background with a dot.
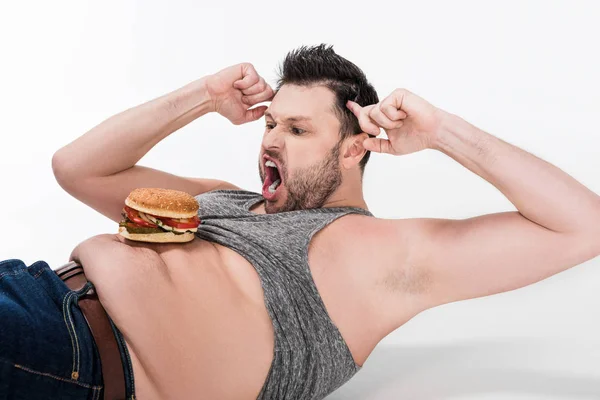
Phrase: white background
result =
(525, 71)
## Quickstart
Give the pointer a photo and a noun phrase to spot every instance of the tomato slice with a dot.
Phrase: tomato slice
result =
(141, 222)
(181, 225)
(135, 217)
(193, 223)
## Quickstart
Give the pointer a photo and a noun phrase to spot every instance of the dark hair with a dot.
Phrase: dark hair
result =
(320, 65)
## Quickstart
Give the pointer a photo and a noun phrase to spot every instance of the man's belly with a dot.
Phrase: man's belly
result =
(193, 317)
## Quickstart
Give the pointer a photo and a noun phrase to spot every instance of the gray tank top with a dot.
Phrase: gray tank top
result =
(311, 359)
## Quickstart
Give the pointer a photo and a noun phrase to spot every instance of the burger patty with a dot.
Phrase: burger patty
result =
(131, 227)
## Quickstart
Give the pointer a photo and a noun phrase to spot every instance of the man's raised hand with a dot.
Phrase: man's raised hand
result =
(235, 89)
(410, 123)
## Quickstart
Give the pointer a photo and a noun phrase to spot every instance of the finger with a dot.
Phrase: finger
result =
(258, 87)
(382, 120)
(354, 107)
(378, 145)
(250, 77)
(392, 112)
(362, 113)
(255, 113)
(367, 124)
(266, 95)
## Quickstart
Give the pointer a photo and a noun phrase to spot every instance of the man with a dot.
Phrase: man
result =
(285, 293)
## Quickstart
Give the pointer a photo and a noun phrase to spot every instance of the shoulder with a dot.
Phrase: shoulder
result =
(389, 239)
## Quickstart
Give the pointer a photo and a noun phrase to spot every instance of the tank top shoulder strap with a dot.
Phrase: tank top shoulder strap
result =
(237, 202)
(320, 218)
(225, 202)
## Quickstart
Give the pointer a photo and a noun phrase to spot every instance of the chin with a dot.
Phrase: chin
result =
(274, 206)
(270, 208)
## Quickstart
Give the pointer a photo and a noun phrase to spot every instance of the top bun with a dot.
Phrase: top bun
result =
(163, 202)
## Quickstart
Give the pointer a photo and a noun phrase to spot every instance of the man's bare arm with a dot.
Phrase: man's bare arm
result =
(122, 140)
(99, 168)
(556, 227)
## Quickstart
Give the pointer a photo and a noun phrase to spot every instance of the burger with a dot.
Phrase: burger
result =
(160, 216)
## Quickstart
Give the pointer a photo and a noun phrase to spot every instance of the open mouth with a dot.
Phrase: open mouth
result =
(272, 180)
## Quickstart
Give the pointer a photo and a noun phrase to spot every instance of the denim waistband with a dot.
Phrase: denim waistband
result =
(37, 269)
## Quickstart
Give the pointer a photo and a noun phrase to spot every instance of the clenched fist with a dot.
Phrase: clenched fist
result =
(410, 122)
(235, 89)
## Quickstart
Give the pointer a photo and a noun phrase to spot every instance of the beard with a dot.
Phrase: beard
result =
(311, 186)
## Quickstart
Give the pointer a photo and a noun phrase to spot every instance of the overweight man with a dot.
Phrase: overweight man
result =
(288, 288)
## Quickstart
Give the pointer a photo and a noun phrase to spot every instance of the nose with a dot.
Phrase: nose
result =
(273, 139)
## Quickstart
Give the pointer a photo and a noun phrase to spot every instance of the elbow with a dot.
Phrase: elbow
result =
(57, 167)
(56, 164)
(60, 170)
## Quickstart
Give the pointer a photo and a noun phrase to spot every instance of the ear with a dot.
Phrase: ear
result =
(354, 150)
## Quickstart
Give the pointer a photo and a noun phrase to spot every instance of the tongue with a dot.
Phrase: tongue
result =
(267, 183)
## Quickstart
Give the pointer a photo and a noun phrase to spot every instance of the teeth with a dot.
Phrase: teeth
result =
(270, 163)
(274, 186)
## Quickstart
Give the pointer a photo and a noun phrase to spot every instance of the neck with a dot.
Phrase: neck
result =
(349, 194)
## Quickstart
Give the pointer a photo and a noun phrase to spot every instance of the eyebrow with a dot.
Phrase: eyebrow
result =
(294, 118)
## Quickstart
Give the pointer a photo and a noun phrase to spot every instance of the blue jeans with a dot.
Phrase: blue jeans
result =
(47, 350)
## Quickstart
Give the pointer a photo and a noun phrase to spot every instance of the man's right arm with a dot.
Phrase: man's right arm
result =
(99, 168)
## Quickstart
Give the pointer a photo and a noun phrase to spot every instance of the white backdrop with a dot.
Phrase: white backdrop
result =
(525, 71)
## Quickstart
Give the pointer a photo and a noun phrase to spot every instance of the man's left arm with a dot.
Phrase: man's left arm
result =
(557, 225)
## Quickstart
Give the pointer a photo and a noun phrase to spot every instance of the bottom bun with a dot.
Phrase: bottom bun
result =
(165, 237)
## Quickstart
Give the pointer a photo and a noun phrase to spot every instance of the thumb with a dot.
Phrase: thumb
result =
(255, 113)
(378, 145)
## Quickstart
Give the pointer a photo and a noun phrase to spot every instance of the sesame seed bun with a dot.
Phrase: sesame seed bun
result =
(163, 202)
(165, 237)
